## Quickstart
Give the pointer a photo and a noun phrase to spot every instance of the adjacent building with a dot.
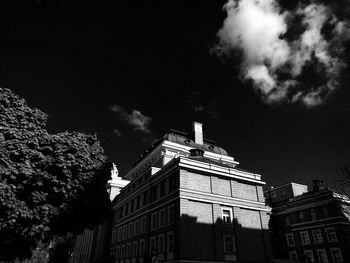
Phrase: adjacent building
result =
(187, 201)
(309, 226)
(93, 244)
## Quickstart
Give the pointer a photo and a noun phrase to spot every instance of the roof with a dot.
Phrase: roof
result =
(185, 139)
(220, 163)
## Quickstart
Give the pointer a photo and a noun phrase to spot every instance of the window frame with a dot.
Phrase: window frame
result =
(136, 227)
(134, 249)
(131, 230)
(128, 250)
(304, 242)
(170, 241)
(318, 255)
(142, 247)
(329, 240)
(161, 220)
(125, 231)
(315, 235)
(143, 225)
(292, 238)
(123, 252)
(312, 254)
(117, 252)
(229, 209)
(332, 254)
(161, 244)
(154, 239)
(233, 245)
(171, 214)
(154, 217)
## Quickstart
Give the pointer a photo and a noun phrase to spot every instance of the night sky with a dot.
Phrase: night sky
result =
(131, 71)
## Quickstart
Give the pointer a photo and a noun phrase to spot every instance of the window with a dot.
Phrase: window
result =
(143, 224)
(134, 249)
(142, 199)
(162, 189)
(133, 205)
(153, 193)
(152, 244)
(290, 240)
(126, 208)
(305, 239)
(161, 243)
(301, 216)
(120, 233)
(142, 247)
(313, 214)
(171, 214)
(128, 250)
(122, 255)
(273, 195)
(226, 215)
(162, 217)
(170, 241)
(137, 227)
(293, 255)
(331, 235)
(117, 254)
(171, 183)
(283, 193)
(322, 255)
(229, 246)
(317, 236)
(123, 211)
(309, 256)
(336, 255)
(154, 221)
(130, 207)
(325, 211)
(125, 232)
(138, 202)
(131, 232)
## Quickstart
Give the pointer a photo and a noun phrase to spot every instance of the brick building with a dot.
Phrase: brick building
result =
(309, 226)
(187, 201)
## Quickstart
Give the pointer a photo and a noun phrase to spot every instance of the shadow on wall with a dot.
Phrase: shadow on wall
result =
(211, 242)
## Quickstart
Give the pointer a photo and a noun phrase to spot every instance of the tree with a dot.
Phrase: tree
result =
(50, 184)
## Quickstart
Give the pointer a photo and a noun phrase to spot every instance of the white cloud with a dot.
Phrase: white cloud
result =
(257, 29)
(135, 119)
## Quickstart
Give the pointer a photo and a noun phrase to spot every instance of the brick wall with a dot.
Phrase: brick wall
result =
(196, 231)
(195, 182)
(250, 237)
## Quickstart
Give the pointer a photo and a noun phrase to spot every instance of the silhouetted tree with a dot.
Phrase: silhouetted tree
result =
(50, 184)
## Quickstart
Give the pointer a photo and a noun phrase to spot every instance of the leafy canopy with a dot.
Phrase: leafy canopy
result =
(50, 184)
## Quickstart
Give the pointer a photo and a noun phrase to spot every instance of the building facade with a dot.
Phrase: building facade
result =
(93, 244)
(309, 226)
(187, 201)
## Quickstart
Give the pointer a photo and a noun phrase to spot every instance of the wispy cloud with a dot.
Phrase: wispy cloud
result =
(135, 118)
(117, 132)
(278, 66)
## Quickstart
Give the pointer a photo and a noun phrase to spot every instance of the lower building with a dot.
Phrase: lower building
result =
(309, 226)
(187, 201)
(94, 245)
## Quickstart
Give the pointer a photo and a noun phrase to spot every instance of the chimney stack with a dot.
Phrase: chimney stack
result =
(198, 132)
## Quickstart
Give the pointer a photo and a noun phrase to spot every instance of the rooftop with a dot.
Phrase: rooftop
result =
(186, 139)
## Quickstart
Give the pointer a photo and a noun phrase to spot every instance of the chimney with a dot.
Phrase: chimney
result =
(198, 132)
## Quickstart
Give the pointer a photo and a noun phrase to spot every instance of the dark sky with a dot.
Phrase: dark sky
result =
(76, 59)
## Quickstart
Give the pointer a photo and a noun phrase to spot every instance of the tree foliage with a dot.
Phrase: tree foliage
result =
(50, 184)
